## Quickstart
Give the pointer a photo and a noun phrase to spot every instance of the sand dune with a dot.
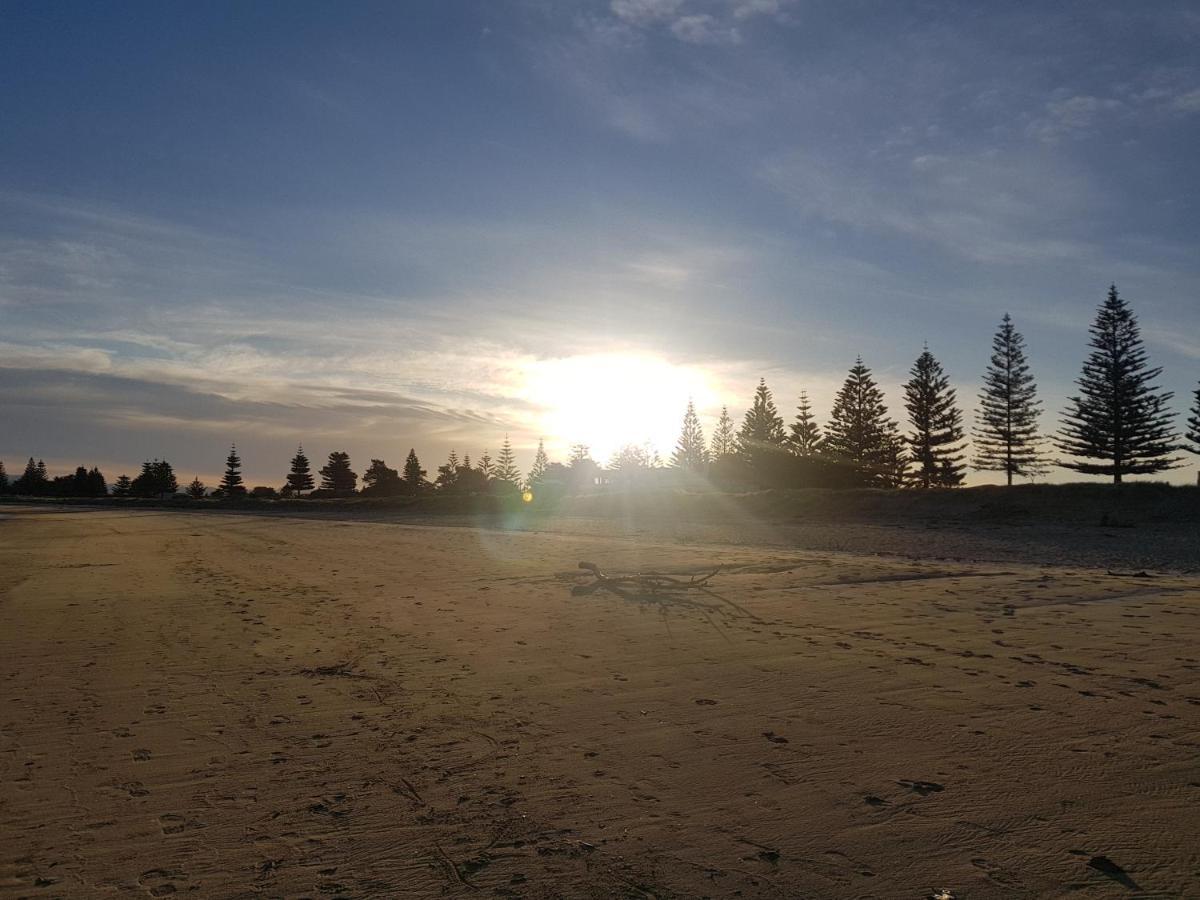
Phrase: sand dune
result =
(235, 706)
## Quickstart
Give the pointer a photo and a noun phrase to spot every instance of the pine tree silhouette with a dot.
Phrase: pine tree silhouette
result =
(724, 442)
(691, 454)
(231, 482)
(860, 432)
(157, 479)
(448, 473)
(540, 463)
(506, 466)
(336, 475)
(380, 480)
(936, 440)
(485, 466)
(805, 438)
(1006, 423)
(143, 484)
(164, 478)
(1119, 417)
(630, 458)
(1193, 424)
(762, 428)
(33, 481)
(299, 477)
(414, 475)
(3, 479)
(123, 486)
(196, 489)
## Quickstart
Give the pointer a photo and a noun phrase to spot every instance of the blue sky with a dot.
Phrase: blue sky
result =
(372, 225)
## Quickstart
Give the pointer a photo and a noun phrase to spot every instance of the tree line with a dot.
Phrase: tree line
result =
(1118, 424)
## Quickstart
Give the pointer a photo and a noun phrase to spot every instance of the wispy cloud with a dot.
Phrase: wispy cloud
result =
(704, 29)
(1077, 116)
(696, 21)
(986, 207)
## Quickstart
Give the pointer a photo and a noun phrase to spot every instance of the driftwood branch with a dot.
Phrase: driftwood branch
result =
(654, 587)
(648, 582)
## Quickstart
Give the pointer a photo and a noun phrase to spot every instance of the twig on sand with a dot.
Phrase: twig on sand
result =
(651, 582)
(655, 587)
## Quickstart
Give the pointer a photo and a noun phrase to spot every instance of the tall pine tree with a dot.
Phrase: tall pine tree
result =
(414, 475)
(336, 475)
(506, 465)
(97, 486)
(1193, 424)
(157, 479)
(231, 482)
(33, 481)
(936, 440)
(541, 462)
(690, 454)
(805, 437)
(860, 432)
(1119, 424)
(447, 474)
(762, 428)
(299, 478)
(724, 442)
(486, 467)
(1006, 422)
(3, 479)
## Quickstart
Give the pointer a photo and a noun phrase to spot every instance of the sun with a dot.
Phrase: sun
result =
(608, 400)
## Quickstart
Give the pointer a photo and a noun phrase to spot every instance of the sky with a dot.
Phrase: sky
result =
(376, 226)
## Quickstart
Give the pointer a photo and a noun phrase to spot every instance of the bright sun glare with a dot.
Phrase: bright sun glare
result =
(612, 399)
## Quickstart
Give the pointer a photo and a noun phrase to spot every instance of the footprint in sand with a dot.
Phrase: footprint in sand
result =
(176, 824)
(924, 788)
(995, 873)
(162, 882)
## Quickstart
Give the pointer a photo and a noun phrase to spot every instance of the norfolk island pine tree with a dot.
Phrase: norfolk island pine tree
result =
(1006, 423)
(691, 454)
(936, 440)
(1119, 419)
(231, 482)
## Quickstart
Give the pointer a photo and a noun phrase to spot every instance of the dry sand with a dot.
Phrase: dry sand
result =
(235, 706)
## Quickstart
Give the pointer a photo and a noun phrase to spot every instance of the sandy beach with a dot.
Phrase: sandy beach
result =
(246, 706)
